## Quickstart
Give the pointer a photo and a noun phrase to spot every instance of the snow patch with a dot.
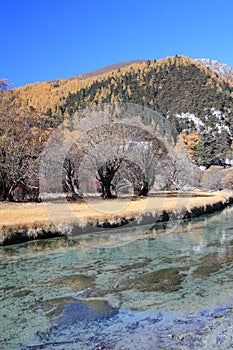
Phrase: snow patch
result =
(213, 112)
(191, 117)
(217, 113)
(218, 120)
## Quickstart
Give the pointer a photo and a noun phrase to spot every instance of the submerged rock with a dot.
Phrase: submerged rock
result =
(165, 280)
(212, 263)
(22, 293)
(77, 282)
(136, 265)
(86, 311)
(75, 310)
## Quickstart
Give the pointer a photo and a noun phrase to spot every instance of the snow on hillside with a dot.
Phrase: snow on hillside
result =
(191, 117)
(214, 114)
(218, 67)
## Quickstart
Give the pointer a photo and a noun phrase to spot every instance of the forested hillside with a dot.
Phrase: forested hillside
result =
(174, 85)
(194, 98)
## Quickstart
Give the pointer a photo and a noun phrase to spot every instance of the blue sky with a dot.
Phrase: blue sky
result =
(49, 39)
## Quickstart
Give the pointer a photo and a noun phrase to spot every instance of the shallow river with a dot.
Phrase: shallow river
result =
(134, 288)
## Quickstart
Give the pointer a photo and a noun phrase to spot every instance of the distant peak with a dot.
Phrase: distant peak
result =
(222, 69)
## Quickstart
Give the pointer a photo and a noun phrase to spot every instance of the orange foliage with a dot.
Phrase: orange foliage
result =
(191, 141)
(45, 95)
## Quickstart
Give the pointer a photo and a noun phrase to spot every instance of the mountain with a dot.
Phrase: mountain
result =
(195, 94)
(45, 95)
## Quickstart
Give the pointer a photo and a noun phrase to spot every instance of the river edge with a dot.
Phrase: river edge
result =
(20, 233)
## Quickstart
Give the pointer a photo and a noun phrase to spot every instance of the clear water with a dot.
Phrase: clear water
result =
(123, 289)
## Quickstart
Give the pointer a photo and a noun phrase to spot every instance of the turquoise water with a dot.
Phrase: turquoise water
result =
(130, 288)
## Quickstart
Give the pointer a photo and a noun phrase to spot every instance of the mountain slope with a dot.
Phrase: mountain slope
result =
(176, 85)
(45, 95)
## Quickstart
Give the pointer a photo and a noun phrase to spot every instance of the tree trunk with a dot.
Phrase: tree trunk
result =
(10, 196)
(141, 189)
(144, 189)
(105, 176)
(73, 190)
(72, 183)
(3, 192)
(106, 189)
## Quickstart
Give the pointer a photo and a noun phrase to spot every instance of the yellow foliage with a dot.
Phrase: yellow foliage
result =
(191, 141)
(45, 95)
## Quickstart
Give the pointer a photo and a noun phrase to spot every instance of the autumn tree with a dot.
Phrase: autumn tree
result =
(191, 139)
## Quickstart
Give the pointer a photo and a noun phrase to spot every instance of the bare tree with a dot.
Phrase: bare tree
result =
(70, 171)
(119, 151)
(106, 147)
(146, 155)
(177, 171)
(22, 135)
(212, 178)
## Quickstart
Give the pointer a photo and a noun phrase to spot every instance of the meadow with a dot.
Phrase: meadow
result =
(56, 216)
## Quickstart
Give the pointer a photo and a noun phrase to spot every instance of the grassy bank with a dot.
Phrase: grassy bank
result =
(26, 221)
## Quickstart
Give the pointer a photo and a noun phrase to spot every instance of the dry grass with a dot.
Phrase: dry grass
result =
(15, 216)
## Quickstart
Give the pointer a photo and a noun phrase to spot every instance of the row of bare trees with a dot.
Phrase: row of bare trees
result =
(112, 153)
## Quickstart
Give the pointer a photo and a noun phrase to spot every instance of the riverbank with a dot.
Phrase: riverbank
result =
(20, 222)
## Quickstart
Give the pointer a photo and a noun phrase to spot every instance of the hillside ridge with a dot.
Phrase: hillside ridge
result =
(108, 69)
(46, 95)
